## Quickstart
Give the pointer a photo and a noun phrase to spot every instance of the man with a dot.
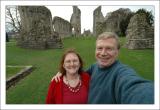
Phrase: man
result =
(113, 82)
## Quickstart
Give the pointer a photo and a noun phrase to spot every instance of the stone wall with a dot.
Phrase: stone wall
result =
(139, 34)
(112, 24)
(13, 80)
(98, 20)
(115, 21)
(63, 27)
(76, 21)
(87, 33)
(37, 31)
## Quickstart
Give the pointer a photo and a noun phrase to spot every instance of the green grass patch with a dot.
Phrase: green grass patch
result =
(33, 88)
(11, 71)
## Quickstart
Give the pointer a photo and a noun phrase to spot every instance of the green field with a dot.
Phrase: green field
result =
(33, 88)
(12, 71)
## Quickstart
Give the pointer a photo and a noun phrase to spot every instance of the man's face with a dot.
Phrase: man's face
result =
(106, 52)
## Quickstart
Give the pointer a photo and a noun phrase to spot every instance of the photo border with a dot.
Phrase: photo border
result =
(87, 106)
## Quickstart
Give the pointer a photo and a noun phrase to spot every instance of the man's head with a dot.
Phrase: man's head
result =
(107, 49)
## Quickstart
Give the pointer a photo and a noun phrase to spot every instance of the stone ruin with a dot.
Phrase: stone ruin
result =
(40, 32)
(112, 22)
(76, 21)
(87, 33)
(63, 27)
(139, 34)
(98, 20)
(37, 31)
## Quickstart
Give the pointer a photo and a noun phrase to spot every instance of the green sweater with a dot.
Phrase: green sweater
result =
(118, 84)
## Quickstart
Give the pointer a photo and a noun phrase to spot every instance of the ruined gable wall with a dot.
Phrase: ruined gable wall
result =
(63, 27)
(37, 31)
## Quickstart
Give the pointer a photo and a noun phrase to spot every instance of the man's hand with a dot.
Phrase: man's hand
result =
(57, 77)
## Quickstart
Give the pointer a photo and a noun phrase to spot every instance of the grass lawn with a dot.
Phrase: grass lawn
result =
(11, 71)
(33, 88)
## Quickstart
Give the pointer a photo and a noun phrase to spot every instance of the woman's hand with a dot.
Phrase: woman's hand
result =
(57, 77)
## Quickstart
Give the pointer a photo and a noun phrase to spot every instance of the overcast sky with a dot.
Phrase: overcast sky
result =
(65, 12)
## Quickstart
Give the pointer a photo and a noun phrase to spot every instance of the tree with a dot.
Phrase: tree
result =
(13, 19)
(149, 16)
(124, 23)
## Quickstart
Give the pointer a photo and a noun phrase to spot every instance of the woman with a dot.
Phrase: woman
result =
(74, 83)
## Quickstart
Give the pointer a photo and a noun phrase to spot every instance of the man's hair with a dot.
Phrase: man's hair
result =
(106, 35)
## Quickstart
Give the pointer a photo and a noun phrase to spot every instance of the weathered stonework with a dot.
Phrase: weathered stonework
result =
(112, 22)
(76, 21)
(19, 76)
(114, 19)
(37, 31)
(87, 33)
(98, 20)
(139, 34)
(63, 27)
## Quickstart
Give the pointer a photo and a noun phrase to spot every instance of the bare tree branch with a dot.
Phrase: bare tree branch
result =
(12, 15)
(17, 16)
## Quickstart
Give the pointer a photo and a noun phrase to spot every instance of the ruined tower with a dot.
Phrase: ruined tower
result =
(76, 20)
(98, 20)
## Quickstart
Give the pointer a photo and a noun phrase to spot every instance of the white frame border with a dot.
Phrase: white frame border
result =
(95, 106)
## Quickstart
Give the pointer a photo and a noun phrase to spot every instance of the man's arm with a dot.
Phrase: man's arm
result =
(57, 77)
(132, 89)
(90, 70)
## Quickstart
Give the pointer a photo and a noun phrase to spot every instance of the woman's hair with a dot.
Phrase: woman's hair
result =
(70, 50)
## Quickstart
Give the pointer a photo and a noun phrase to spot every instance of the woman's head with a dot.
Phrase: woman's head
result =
(71, 62)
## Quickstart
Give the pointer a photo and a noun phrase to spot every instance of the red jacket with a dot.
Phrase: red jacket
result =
(55, 89)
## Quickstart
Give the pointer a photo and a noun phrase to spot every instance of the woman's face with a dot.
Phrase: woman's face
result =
(71, 63)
